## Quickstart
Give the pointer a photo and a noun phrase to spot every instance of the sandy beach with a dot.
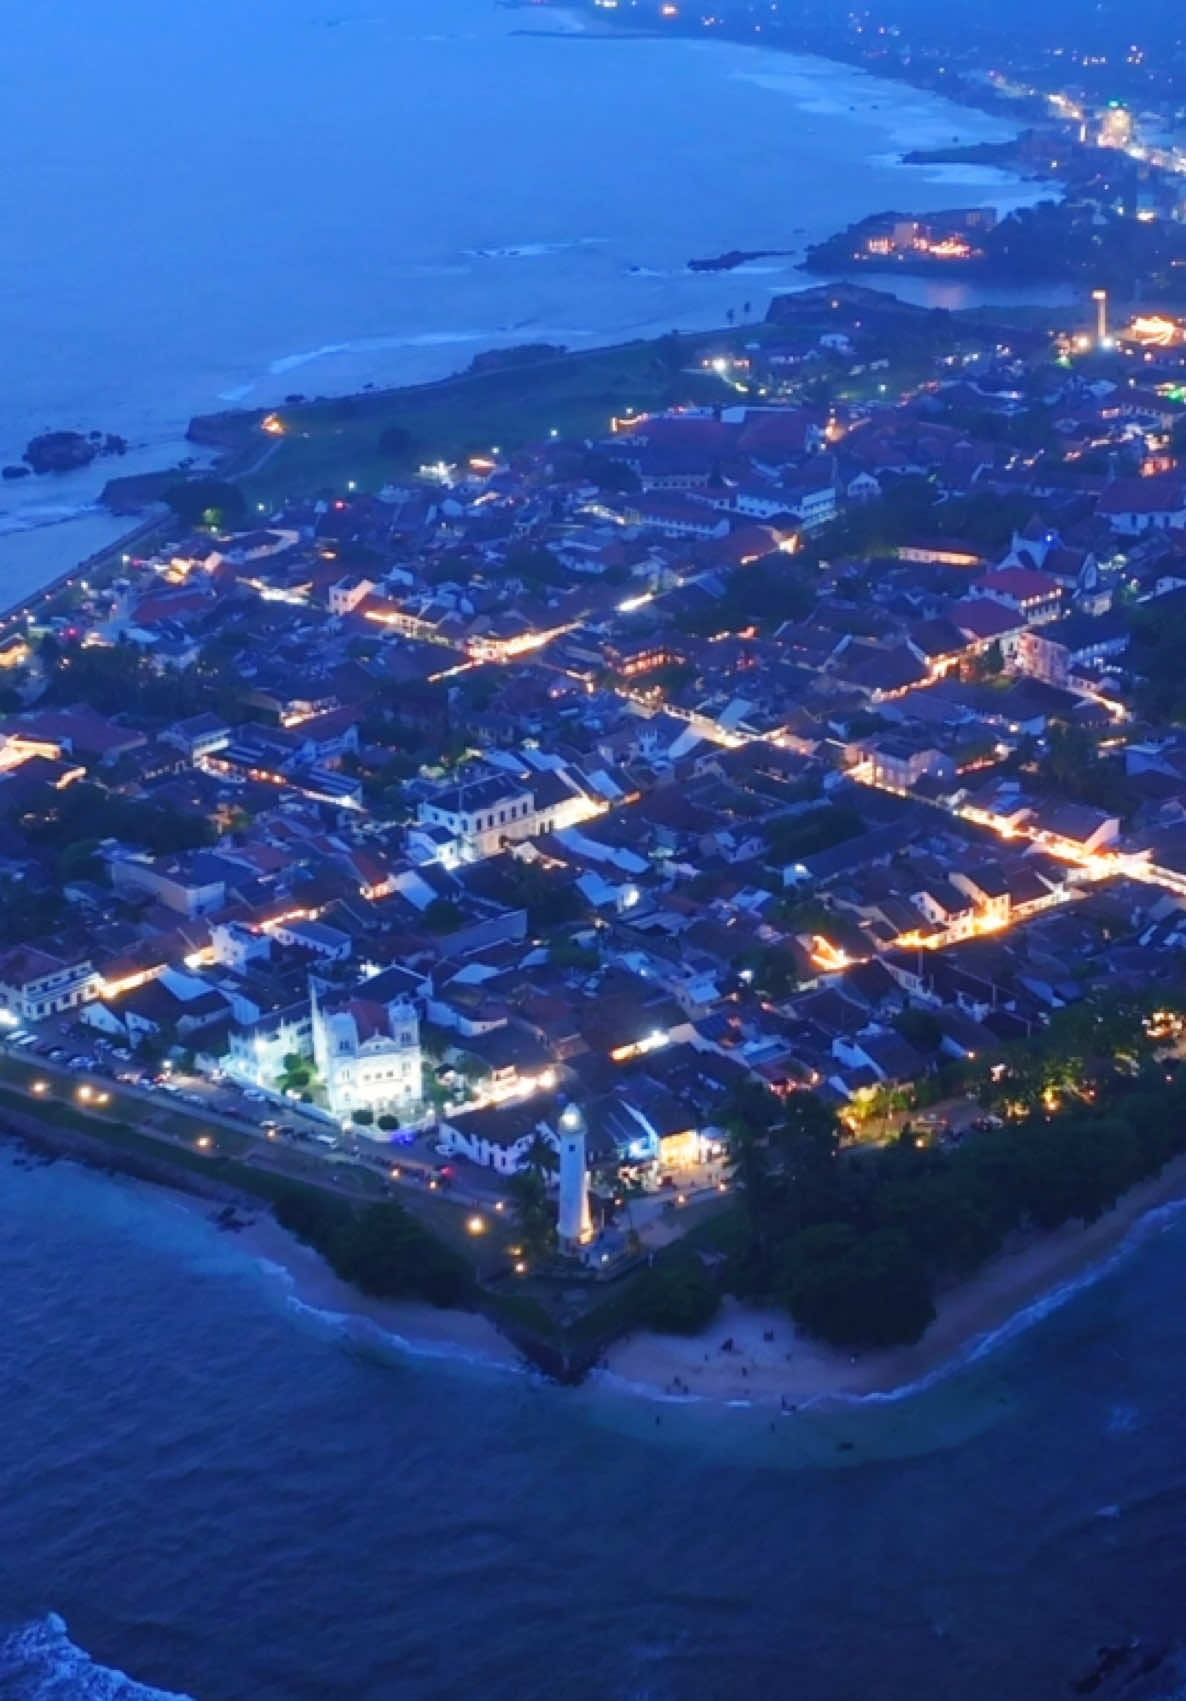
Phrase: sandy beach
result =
(770, 1362)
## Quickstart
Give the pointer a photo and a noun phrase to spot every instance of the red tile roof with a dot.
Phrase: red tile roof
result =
(1021, 583)
(980, 617)
(1166, 495)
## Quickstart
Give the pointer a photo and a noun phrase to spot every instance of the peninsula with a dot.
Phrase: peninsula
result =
(615, 834)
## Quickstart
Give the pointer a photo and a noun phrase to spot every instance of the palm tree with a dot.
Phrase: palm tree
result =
(534, 1216)
(541, 1158)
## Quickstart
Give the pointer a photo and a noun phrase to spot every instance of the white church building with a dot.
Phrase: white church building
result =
(366, 1049)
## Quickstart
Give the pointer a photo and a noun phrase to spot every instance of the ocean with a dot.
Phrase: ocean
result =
(221, 201)
(210, 1488)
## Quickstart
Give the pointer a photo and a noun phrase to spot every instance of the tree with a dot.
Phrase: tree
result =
(364, 1117)
(676, 1296)
(771, 970)
(535, 1219)
(882, 1102)
(783, 1162)
(609, 473)
(857, 1290)
(442, 915)
(541, 1157)
(388, 1123)
(295, 1074)
(208, 501)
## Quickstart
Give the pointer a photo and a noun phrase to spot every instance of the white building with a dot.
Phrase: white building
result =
(481, 816)
(367, 1053)
(34, 983)
(574, 1224)
(257, 1048)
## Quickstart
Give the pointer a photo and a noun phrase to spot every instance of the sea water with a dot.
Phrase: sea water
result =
(209, 1490)
(229, 201)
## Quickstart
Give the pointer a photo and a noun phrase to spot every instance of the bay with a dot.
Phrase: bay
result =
(222, 201)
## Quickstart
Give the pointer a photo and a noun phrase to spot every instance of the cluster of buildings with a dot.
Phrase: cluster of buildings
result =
(952, 235)
(573, 777)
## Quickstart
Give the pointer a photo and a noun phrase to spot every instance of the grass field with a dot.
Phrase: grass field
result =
(334, 442)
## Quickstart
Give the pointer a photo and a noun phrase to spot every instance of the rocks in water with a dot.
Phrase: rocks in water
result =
(15, 472)
(230, 1220)
(66, 451)
(734, 258)
(60, 451)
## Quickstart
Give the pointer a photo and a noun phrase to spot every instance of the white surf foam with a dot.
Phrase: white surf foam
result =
(1154, 1222)
(289, 362)
(363, 346)
(37, 515)
(534, 250)
(39, 1662)
(354, 1326)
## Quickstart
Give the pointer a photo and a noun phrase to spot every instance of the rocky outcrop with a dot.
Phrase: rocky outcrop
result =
(734, 258)
(66, 451)
(60, 451)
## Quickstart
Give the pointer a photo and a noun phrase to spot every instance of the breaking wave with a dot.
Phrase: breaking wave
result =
(36, 516)
(39, 1662)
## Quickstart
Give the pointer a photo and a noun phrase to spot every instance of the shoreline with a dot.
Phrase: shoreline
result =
(769, 1363)
(420, 1329)
(68, 565)
(1014, 1290)
(957, 92)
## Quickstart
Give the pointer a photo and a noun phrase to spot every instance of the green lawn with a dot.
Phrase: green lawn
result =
(334, 442)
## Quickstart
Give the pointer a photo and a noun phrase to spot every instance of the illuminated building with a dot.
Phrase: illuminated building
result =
(367, 1049)
(34, 983)
(1100, 297)
(1116, 127)
(574, 1224)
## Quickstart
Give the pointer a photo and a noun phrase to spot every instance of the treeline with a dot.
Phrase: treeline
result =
(855, 1243)
(380, 1249)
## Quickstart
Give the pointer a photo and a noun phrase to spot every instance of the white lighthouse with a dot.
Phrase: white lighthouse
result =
(574, 1224)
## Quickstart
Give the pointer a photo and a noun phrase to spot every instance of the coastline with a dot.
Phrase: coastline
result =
(1011, 1292)
(415, 1327)
(1015, 1290)
(42, 560)
(770, 1362)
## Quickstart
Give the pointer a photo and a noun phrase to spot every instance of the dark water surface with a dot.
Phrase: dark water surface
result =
(206, 202)
(230, 1496)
